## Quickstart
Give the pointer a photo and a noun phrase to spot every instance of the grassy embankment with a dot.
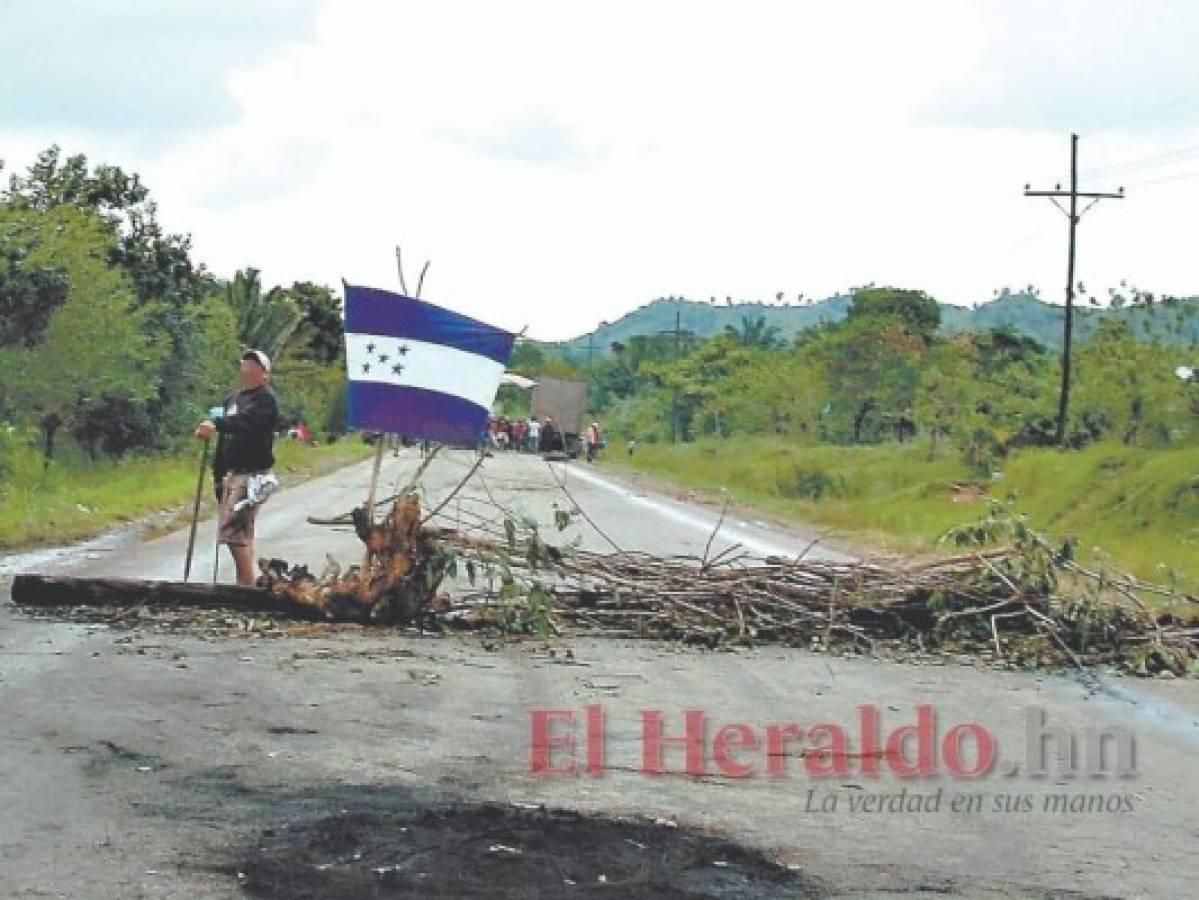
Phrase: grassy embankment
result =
(1140, 508)
(77, 499)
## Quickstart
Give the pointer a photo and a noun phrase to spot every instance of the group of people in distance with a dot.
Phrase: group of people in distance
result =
(533, 435)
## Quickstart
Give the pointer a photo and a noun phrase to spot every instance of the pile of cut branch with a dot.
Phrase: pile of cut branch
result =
(1005, 595)
(1011, 597)
(971, 602)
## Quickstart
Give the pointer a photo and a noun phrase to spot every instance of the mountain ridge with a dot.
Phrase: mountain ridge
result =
(1027, 314)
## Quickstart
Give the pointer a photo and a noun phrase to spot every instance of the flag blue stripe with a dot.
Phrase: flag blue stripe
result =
(415, 413)
(372, 311)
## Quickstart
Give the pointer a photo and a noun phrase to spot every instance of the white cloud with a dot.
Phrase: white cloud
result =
(562, 163)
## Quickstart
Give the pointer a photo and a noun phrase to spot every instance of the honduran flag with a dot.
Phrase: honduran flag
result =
(419, 370)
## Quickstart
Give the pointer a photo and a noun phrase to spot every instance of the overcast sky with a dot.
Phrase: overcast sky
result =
(564, 162)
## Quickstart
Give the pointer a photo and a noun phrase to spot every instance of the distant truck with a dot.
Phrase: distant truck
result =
(565, 401)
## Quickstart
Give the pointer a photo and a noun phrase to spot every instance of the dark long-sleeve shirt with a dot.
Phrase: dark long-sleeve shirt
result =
(246, 433)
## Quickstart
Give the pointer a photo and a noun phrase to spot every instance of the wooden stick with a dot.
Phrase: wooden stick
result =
(402, 492)
(708, 546)
(421, 281)
(191, 539)
(590, 521)
(370, 499)
(400, 266)
(454, 493)
(370, 496)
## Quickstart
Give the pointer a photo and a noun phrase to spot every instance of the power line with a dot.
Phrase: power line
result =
(1138, 116)
(1144, 114)
(1074, 215)
(1165, 179)
(1146, 162)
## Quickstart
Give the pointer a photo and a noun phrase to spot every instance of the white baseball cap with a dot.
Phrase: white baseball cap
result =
(259, 357)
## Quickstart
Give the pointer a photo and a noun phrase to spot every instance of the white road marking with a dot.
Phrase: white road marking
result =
(677, 512)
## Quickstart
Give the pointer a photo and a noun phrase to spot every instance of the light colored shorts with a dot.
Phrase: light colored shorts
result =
(237, 528)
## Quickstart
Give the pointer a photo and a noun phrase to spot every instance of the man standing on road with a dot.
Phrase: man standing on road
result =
(549, 435)
(593, 441)
(244, 450)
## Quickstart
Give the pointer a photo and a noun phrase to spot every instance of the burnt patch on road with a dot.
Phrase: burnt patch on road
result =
(460, 849)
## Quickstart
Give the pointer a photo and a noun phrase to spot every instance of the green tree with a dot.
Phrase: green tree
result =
(1014, 382)
(165, 280)
(265, 322)
(94, 346)
(918, 312)
(308, 391)
(774, 393)
(873, 367)
(531, 358)
(1128, 387)
(159, 264)
(319, 334)
(527, 357)
(33, 283)
(945, 401)
(754, 332)
(694, 380)
(624, 372)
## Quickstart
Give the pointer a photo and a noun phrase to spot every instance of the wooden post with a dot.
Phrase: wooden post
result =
(191, 540)
(370, 497)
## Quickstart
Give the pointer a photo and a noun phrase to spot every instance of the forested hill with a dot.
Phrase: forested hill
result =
(1175, 322)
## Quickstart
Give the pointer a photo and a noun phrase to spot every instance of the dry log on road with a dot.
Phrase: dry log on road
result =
(57, 591)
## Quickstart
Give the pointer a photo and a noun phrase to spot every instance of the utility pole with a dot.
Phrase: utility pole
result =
(1073, 215)
(678, 331)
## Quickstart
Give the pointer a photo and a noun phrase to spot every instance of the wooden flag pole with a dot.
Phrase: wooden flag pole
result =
(370, 498)
(374, 488)
(382, 440)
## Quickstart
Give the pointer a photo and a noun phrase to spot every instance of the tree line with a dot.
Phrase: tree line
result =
(887, 373)
(115, 338)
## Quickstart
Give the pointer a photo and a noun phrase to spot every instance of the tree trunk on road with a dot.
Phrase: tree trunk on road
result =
(52, 591)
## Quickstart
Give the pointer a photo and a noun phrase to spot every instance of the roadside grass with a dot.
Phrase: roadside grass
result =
(76, 499)
(1131, 509)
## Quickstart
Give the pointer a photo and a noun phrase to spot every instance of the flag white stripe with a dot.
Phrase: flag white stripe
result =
(433, 367)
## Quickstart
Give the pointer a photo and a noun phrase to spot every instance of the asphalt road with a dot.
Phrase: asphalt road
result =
(131, 762)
